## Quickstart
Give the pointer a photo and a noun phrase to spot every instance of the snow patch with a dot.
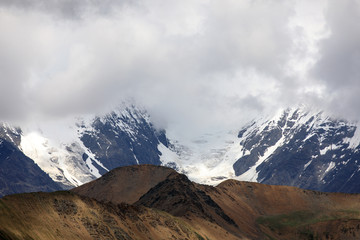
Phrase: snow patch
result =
(330, 147)
(91, 157)
(167, 156)
(62, 160)
(354, 141)
(330, 167)
(49, 158)
(307, 164)
(207, 159)
(252, 174)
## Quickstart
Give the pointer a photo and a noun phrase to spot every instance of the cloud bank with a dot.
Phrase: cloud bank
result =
(191, 63)
(339, 65)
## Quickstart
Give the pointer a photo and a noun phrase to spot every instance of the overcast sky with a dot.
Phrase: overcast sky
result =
(202, 63)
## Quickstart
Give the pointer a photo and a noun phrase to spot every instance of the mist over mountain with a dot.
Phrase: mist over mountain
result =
(86, 149)
(303, 148)
(300, 147)
(201, 70)
(148, 115)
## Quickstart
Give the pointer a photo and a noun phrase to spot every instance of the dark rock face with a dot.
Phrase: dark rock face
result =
(302, 149)
(10, 134)
(19, 173)
(179, 196)
(124, 184)
(122, 139)
(65, 207)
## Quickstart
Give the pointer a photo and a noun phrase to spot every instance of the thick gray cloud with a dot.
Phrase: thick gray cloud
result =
(339, 64)
(71, 9)
(192, 63)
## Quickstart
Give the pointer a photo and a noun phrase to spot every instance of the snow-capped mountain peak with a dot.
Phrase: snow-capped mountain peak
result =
(297, 146)
(82, 149)
(300, 147)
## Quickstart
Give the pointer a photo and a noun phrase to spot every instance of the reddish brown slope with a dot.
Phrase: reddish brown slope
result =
(64, 215)
(164, 189)
(282, 212)
(242, 209)
(172, 207)
(125, 184)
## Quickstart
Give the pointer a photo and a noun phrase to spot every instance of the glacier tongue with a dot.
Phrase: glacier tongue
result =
(298, 146)
(207, 159)
(62, 162)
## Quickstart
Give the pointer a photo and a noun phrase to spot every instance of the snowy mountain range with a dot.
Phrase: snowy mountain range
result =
(297, 147)
(302, 148)
(83, 149)
(94, 145)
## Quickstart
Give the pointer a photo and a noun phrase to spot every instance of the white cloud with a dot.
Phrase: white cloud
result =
(339, 65)
(202, 63)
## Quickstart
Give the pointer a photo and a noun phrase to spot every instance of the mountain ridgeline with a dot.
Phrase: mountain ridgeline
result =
(123, 137)
(173, 207)
(297, 147)
(19, 173)
(304, 149)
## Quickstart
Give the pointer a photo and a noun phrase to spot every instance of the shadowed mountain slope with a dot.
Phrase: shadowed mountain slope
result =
(180, 197)
(19, 173)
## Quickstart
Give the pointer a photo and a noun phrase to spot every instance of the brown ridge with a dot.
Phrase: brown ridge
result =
(124, 184)
(167, 205)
